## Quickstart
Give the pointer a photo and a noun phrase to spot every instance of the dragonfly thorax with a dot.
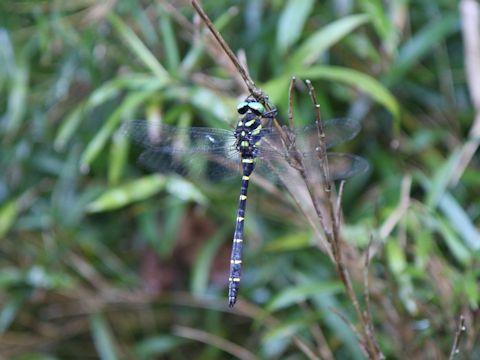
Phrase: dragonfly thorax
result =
(248, 134)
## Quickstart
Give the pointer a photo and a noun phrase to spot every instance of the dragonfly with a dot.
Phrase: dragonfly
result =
(220, 153)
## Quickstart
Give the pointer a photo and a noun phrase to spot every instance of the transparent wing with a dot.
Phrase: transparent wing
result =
(307, 139)
(172, 139)
(192, 152)
(212, 166)
(340, 166)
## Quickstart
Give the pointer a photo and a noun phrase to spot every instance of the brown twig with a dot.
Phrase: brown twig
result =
(290, 102)
(367, 337)
(256, 92)
(461, 329)
(213, 340)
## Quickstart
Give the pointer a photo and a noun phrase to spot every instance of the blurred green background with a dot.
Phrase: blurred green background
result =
(102, 259)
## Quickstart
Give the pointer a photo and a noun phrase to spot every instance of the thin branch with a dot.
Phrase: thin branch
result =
(253, 89)
(213, 340)
(290, 102)
(367, 337)
(461, 330)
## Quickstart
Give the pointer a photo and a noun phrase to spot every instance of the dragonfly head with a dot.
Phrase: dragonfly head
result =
(252, 105)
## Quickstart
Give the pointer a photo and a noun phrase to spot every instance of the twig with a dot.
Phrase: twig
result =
(322, 148)
(213, 340)
(290, 102)
(339, 199)
(397, 214)
(306, 350)
(366, 335)
(461, 330)
(256, 92)
(369, 330)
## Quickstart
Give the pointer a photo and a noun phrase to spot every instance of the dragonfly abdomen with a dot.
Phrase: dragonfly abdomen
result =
(248, 165)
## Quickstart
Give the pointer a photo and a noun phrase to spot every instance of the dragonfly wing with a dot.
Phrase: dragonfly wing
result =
(190, 152)
(340, 166)
(307, 138)
(171, 139)
(212, 166)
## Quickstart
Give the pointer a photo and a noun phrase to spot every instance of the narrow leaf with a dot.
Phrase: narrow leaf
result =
(362, 81)
(296, 294)
(320, 41)
(97, 144)
(103, 338)
(8, 215)
(422, 43)
(139, 48)
(291, 22)
(203, 262)
(123, 195)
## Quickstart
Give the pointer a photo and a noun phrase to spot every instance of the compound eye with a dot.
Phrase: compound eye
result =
(242, 107)
(257, 107)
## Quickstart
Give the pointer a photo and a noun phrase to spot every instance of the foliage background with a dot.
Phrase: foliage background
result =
(100, 259)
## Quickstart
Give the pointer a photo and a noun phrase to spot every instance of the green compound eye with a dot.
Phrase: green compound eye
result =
(243, 107)
(257, 107)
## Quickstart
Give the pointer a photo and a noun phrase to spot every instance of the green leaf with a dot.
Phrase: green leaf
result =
(320, 41)
(203, 262)
(364, 82)
(100, 96)
(421, 44)
(470, 286)
(185, 190)
(103, 338)
(17, 97)
(123, 195)
(97, 144)
(10, 309)
(118, 157)
(296, 294)
(69, 127)
(455, 246)
(441, 178)
(277, 88)
(139, 48)
(276, 340)
(144, 188)
(378, 14)
(154, 346)
(460, 221)
(8, 214)
(169, 41)
(395, 256)
(289, 242)
(291, 22)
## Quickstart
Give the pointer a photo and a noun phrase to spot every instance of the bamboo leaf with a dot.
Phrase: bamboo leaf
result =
(139, 48)
(126, 194)
(291, 22)
(364, 82)
(421, 44)
(296, 294)
(317, 43)
(8, 214)
(103, 338)
(203, 262)
(97, 144)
